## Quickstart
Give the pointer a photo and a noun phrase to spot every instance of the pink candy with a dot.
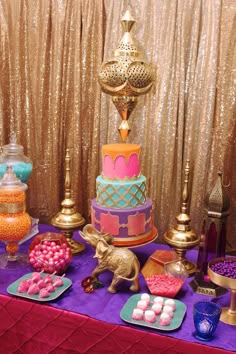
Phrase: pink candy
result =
(50, 256)
(23, 286)
(39, 285)
(50, 288)
(58, 281)
(43, 293)
(33, 289)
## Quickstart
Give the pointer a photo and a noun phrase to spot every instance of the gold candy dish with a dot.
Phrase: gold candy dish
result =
(227, 281)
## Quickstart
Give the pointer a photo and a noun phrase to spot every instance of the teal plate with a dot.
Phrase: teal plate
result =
(12, 288)
(130, 305)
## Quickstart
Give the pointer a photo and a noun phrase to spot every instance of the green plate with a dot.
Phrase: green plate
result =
(130, 305)
(12, 288)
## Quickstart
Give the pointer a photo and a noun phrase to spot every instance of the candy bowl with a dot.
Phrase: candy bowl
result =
(222, 272)
(169, 282)
(50, 252)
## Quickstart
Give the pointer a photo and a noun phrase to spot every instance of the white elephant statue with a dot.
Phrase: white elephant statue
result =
(121, 261)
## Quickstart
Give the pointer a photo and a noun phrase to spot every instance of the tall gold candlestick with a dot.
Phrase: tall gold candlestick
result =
(182, 237)
(68, 220)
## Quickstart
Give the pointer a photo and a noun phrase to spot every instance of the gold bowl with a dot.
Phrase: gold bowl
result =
(228, 314)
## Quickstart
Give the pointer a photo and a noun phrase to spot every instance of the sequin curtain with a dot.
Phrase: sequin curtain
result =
(50, 53)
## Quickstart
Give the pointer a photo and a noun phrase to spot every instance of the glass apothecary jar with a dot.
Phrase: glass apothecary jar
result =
(50, 252)
(14, 154)
(15, 223)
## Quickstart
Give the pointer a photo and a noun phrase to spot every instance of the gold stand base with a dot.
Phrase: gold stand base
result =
(67, 224)
(75, 246)
(189, 266)
(228, 316)
(200, 286)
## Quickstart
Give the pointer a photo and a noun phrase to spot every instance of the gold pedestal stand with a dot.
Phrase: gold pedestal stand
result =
(206, 287)
(68, 220)
(182, 237)
(228, 314)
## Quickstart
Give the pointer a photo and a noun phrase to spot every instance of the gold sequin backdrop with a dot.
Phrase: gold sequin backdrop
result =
(50, 54)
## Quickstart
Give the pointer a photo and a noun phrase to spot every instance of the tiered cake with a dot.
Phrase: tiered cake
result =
(121, 206)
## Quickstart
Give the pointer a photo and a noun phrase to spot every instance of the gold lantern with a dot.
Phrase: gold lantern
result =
(182, 237)
(213, 238)
(68, 220)
(126, 76)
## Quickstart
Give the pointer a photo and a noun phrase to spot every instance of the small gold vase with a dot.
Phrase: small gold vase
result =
(68, 220)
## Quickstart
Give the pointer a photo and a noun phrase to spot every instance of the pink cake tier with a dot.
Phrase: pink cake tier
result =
(131, 227)
(120, 161)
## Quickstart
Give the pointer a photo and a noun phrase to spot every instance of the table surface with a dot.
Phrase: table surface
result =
(103, 306)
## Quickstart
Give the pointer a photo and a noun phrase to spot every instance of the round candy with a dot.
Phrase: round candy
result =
(50, 252)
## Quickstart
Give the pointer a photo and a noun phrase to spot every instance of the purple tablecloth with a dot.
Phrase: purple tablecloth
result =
(106, 307)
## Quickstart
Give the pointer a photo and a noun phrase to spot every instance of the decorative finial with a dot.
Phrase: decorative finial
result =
(12, 137)
(126, 76)
(127, 21)
(185, 189)
(67, 176)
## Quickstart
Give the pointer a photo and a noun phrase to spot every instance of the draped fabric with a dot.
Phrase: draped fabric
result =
(50, 55)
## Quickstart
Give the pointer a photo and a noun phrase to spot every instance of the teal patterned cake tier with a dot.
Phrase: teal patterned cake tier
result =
(121, 194)
(21, 169)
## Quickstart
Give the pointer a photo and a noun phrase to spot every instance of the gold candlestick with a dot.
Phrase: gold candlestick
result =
(68, 220)
(182, 237)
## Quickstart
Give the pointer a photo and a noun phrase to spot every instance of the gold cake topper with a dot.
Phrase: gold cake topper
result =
(126, 76)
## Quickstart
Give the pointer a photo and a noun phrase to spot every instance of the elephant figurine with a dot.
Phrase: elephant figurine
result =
(121, 261)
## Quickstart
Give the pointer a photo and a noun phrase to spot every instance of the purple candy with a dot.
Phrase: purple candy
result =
(226, 268)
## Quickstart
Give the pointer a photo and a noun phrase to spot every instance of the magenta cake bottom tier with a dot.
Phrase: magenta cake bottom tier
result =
(130, 227)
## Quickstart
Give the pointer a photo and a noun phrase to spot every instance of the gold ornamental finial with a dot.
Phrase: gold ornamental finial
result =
(126, 76)
(182, 237)
(183, 218)
(127, 21)
(67, 177)
(68, 220)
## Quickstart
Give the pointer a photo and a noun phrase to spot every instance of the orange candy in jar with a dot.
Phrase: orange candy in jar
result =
(15, 223)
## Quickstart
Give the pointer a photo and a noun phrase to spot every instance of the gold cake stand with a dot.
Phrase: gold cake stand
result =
(228, 314)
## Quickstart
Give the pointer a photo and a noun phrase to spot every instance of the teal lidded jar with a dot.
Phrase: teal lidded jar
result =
(14, 154)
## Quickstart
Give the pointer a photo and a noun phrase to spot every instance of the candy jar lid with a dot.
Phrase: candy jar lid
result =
(13, 147)
(10, 181)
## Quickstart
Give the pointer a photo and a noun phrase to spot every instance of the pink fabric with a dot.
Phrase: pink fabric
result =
(31, 328)
(120, 168)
